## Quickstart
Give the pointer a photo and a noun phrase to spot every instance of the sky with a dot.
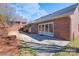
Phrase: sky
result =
(32, 11)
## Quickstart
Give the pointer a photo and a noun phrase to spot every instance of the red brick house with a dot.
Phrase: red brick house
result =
(16, 25)
(63, 23)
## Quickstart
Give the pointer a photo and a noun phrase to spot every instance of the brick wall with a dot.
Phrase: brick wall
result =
(62, 28)
(34, 28)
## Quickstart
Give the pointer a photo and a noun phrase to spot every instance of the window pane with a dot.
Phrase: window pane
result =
(46, 27)
(50, 27)
(42, 27)
(39, 27)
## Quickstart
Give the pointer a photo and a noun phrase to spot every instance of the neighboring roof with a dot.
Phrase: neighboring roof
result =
(18, 18)
(60, 13)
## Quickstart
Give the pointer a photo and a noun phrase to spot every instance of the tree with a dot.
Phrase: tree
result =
(29, 25)
(2, 18)
(7, 11)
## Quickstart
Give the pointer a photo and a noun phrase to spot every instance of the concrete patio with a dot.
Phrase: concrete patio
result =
(42, 44)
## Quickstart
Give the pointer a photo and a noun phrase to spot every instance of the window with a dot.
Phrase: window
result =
(23, 22)
(39, 27)
(46, 27)
(42, 27)
(50, 27)
(17, 22)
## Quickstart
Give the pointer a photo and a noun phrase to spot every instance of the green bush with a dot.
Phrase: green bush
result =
(73, 44)
(23, 49)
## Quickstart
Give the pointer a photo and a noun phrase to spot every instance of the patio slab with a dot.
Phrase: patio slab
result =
(42, 44)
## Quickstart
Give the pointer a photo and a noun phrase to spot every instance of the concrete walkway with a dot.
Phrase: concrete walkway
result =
(43, 45)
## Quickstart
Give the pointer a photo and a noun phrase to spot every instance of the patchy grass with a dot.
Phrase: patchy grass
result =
(72, 49)
(24, 50)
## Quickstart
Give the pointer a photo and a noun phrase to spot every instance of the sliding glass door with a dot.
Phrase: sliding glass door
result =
(46, 29)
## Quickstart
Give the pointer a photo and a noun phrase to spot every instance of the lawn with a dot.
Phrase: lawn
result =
(72, 49)
(24, 50)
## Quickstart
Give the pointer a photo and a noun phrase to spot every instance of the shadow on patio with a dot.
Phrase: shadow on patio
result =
(40, 37)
